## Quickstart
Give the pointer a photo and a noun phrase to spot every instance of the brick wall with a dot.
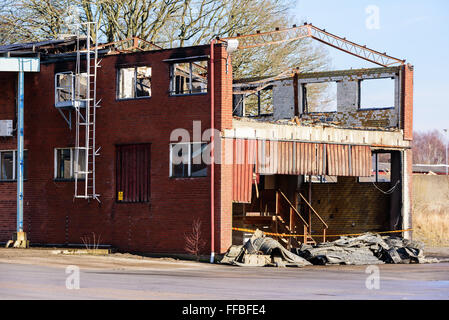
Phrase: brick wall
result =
(51, 216)
(407, 107)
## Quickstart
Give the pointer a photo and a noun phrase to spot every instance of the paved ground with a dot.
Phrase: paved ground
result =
(42, 275)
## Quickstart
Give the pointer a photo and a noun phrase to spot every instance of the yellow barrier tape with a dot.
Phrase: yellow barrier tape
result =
(316, 235)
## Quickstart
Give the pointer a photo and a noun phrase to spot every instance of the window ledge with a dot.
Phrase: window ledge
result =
(130, 99)
(66, 180)
(188, 94)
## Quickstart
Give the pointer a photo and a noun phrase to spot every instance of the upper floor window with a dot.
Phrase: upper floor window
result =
(8, 165)
(66, 164)
(69, 87)
(377, 93)
(186, 160)
(188, 77)
(134, 82)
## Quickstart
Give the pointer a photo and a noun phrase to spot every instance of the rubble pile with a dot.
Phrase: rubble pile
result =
(262, 251)
(362, 250)
(365, 249)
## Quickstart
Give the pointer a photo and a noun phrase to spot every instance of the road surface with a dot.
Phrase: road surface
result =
(180, 280)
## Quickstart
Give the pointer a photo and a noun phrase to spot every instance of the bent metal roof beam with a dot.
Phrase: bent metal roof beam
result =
(278, 36)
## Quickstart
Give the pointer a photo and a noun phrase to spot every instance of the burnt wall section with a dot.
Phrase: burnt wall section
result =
(348, 111)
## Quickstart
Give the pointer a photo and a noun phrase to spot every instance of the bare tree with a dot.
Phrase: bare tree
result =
(429, 148)
(194, 242)
(169, 23)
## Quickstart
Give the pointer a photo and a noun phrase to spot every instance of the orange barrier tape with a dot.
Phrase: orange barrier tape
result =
(316, 235)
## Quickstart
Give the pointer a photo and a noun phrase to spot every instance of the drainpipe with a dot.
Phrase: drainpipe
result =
(20, 152)
(212, 150)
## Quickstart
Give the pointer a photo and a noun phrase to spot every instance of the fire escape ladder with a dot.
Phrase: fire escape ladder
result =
(85, 105)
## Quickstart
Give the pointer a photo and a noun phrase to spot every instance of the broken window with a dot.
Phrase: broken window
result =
(134, 82)
(259, 103)
(381, 168)
(188, 78)
(376, 93)
(8, 165)
(319, 97)
(187, 160)
(69, 87)
(133, 173)
(66, 163)
(64, 87)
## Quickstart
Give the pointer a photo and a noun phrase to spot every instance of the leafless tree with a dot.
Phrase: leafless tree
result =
(169, 23)
(429, 148)
(193, 241)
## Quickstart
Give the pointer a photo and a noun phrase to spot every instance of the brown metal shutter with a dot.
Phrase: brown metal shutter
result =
(242, 169)
(361, 163)
(338, 160)
(133, 172)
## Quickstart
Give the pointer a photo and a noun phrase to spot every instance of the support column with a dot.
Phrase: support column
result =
(406, 192)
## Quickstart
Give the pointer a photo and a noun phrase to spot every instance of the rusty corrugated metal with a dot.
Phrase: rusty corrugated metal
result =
(338, 160)
(361, 165)
(243, 167)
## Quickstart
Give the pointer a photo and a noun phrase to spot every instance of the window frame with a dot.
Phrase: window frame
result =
(361, 108)
(375, 155)
(172, 77)
(14, 165)
(72, 161)
(189, 164)
(119, 68)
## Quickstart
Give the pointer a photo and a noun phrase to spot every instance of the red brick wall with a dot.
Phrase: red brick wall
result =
(51, 215)
(407, 104)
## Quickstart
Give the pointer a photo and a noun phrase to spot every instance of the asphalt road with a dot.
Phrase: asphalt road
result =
(204, 281)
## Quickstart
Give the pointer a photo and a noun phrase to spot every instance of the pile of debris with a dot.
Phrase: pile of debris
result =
(260, 251)
(365, 249)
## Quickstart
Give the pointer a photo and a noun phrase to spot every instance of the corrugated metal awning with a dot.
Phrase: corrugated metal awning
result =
(295, 158)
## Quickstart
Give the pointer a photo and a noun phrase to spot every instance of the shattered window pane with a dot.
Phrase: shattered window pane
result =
(64, 87)
(143, 85)
(189, 77)
(199, 76)
(320, 97)
(126, 83)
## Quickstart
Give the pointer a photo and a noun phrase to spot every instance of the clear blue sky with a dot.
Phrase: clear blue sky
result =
(417, 31)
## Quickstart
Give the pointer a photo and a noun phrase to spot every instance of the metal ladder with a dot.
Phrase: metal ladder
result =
(85, 106)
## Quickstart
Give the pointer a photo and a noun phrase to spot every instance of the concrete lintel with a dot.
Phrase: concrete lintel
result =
(270, 131)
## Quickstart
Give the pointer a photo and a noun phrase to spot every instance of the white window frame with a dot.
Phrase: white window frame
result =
(72, 162)
(189, 164)
(14, 164)
(172, 88)
(135, 82)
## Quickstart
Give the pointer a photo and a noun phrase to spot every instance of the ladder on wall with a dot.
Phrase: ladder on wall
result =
(85, 107)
